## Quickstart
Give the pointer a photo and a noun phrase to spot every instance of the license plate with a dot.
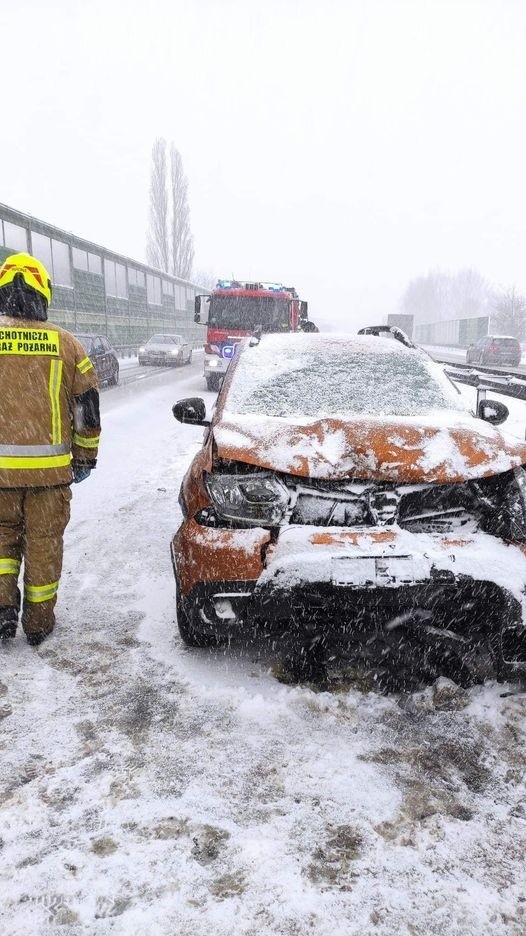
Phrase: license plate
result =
(373, 571)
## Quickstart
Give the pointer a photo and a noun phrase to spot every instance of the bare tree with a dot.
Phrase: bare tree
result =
(157, 253)
(470, 294)
(182, 242)
(170, 242)
(425, 297)
(441, 296)
(206, 278)
(509, 313)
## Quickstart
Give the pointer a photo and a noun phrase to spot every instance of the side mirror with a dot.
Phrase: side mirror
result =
(192, 411)
(492, 411)
(304, 309)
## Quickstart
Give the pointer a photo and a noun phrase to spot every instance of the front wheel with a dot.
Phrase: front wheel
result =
(214, 382)
(189, 361)
(190, 634)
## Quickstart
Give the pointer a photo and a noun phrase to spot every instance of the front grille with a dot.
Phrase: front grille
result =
(425, 508)
(330, 508)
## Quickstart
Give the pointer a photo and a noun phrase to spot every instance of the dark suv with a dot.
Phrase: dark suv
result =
(495, 349)
(102, 356)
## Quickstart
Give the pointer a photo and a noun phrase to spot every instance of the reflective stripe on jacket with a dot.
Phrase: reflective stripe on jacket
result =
(44, 372)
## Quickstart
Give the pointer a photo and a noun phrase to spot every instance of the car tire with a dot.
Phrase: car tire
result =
(214, 382)
(114, 379)
(189, 361)
(410, 659)
(190, 635)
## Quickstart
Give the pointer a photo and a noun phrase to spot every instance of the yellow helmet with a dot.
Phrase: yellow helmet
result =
(21, 276)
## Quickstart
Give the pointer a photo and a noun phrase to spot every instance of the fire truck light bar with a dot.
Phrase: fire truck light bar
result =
(228, 284)
(269, 287)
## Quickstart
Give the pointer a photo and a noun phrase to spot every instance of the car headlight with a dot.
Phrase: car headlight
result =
(213, 362)
(141, 350)
(258, 499)
(176, 351)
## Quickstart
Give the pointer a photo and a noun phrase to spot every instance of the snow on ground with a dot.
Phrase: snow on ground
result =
(146, 788)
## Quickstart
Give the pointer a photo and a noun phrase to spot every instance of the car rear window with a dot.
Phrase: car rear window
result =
(508, 344)
(331, 382)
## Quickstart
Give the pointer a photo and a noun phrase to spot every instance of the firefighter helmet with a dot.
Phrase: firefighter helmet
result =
(25, 287)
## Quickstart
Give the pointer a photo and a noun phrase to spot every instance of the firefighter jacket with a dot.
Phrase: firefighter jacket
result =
(49, 410)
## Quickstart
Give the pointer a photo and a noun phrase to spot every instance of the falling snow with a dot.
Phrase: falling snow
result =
(148, 788)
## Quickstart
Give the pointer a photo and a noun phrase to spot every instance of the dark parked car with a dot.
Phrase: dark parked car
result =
(103, 358)
(495, 349)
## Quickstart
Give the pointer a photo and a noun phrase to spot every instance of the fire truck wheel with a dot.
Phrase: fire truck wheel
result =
(214, 382)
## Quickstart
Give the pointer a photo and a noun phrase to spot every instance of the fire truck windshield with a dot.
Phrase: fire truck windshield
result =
(249, 312)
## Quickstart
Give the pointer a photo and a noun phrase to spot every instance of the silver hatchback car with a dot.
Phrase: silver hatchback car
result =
(166, 350)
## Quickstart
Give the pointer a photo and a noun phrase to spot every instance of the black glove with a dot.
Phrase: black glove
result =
(80, 473)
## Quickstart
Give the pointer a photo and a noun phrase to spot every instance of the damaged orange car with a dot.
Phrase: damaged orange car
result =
(345, 496)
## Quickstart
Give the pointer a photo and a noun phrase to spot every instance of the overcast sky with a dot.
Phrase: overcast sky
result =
(344, 146)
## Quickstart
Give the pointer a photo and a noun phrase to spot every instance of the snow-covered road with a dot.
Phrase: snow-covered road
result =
(146, 788)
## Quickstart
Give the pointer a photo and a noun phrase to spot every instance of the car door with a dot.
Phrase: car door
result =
(485, 343)
(109, 358)
(101, 357)
(478, 354)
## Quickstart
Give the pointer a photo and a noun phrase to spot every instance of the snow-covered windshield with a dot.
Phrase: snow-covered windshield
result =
(249, 312)
(330, 378)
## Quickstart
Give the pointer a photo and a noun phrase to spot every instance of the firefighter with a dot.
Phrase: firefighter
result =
(49, 434)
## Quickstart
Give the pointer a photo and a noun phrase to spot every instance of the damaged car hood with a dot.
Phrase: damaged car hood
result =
(440, 448)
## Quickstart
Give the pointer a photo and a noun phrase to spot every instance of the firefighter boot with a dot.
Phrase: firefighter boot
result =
(8, 622)
(38, 621)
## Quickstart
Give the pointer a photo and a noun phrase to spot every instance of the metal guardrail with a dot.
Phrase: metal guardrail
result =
(480, 368)
(506, 384)
(126, 350)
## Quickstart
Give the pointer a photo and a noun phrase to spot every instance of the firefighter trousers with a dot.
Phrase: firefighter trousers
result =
(32, 524)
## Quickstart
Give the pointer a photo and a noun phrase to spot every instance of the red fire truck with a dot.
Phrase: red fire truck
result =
(237, 309)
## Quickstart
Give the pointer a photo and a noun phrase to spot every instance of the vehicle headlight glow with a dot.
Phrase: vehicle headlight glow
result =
(258, 499)
(213, 362)
(141, 350)
(176, 351)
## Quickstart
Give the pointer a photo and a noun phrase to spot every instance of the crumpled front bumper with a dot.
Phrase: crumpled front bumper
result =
(351, 585)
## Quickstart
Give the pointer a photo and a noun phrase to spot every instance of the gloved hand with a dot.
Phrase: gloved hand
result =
(80, 473)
